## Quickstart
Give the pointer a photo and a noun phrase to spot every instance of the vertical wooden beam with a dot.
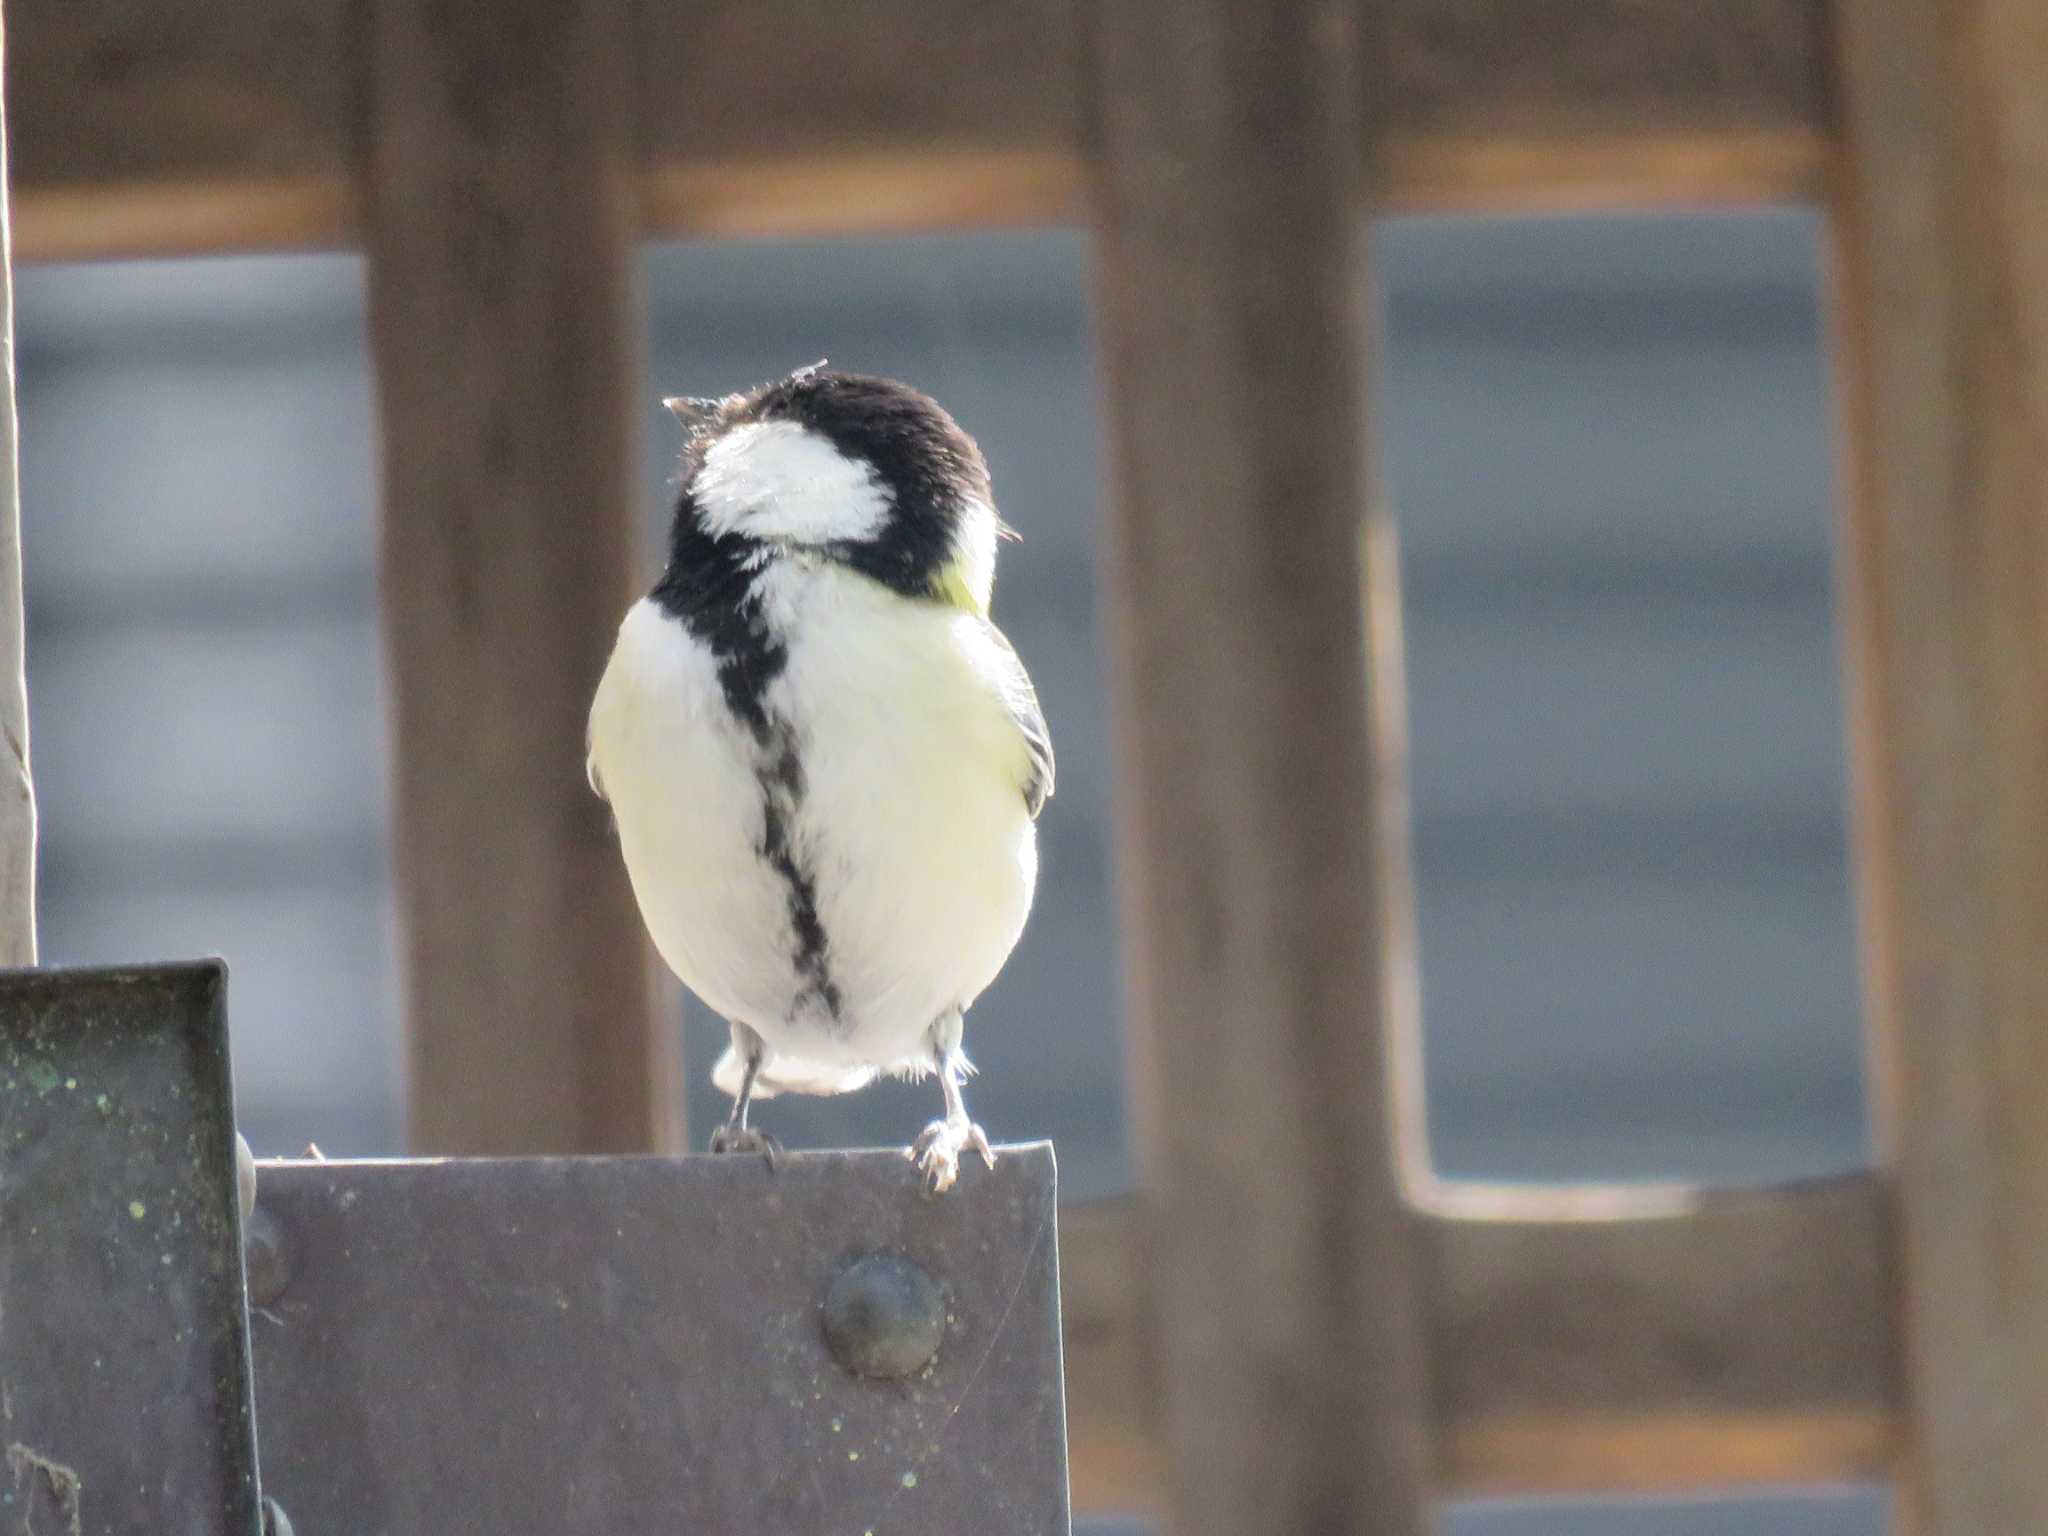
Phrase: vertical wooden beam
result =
(1943, 237)
(1231, 286)
(17, 787)
(500, 253)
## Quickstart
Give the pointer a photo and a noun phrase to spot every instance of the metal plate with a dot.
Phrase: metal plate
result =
(124, 1366)
(564, 1347)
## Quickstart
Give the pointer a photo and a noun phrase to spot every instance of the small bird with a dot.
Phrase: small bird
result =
(824, 761)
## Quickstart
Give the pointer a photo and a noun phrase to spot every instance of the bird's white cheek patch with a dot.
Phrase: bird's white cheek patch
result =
(774, 480)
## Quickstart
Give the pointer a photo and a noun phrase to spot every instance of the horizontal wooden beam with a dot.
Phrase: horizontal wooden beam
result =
(1619, 1338)
(141, 129)
(1609, 1338)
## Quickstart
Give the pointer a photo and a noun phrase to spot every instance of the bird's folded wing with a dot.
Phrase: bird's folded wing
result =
(1021, 699)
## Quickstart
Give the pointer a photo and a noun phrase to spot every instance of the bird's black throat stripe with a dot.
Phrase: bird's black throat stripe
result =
(710, 585)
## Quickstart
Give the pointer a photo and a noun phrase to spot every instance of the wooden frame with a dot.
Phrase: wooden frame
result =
(1636, 1340)
(240, 124)
(1896, 1320)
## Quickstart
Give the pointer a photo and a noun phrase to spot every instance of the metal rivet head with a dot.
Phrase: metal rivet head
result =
(884, 1317)
(263, 1257)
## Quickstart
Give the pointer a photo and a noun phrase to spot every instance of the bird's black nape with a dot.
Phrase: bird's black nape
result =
(930, 468)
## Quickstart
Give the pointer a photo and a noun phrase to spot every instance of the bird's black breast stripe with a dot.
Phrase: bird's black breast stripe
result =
(782, 787)
(710, 587)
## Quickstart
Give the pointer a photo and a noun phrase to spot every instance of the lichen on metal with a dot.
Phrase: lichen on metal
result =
(124, 1365)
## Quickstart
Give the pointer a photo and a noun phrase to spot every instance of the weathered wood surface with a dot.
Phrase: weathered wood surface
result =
(1114, 1456)
(144, 128)
(17, 785)
(1234, 348)
(1548, 104)
(1942, 230)
(501, 316)
(1591, 1338)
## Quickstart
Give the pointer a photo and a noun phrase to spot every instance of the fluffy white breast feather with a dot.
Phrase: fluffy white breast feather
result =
(912, 822)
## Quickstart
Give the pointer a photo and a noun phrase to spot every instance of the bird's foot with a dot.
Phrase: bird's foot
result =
(938, 1147)
(746, 1138)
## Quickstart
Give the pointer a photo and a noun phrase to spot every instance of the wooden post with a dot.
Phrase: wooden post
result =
(499, 237)
(1942, 225)
(17, 786)
(1231, 289)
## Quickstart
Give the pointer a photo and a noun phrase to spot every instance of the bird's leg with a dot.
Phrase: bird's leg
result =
(939, 1145)
(736, 1135)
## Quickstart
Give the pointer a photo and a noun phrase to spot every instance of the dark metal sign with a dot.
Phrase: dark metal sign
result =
(561, 1347)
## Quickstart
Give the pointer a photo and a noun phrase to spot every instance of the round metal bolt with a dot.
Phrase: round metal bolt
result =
(884, 1317)
(275, 1522)
(264, 1260)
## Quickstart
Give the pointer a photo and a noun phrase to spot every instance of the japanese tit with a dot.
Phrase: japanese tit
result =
(824, 761)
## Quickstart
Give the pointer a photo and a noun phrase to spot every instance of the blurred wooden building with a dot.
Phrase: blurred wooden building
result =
(1296, 1330)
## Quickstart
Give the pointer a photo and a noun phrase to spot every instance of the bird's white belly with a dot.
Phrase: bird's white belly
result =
(910, 825)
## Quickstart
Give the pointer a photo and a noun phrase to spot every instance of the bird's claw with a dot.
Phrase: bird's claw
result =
(938, 1147)
(746, 1138)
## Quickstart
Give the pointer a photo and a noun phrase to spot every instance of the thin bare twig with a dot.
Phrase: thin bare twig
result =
(17, 787)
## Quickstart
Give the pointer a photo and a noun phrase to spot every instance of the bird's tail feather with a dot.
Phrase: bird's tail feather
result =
(787, 1074)
(915, 1069)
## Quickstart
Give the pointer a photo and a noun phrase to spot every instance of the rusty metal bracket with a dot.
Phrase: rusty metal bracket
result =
(124, 1355)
